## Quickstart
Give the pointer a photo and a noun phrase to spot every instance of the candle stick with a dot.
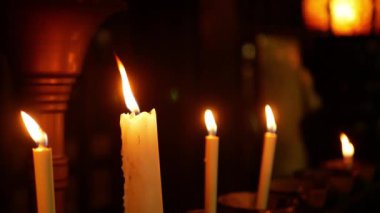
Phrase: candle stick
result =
(43, 166)
(211, 164)
(347, 150)
(269, 148)
(140, 155)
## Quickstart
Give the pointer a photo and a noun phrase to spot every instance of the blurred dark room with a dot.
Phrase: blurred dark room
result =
(182, 57)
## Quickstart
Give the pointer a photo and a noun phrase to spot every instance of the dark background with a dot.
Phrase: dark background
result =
(184, 56)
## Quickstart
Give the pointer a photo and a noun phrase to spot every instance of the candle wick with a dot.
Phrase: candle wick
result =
(43, 143)
(212, 133)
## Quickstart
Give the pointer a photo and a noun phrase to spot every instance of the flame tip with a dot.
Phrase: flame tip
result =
(116, 57)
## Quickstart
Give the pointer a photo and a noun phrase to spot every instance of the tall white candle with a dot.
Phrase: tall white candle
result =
(140, 155)
(269, 148)
(211, 164)
(348, 150)
(43, 166)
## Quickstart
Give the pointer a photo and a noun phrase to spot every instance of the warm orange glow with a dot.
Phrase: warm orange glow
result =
(347, 147)
(343, 17)
(35, 131)
(210, 122)
(377, 16)
(315, 13)
(351, 17)
(271, 123)
(129, 99)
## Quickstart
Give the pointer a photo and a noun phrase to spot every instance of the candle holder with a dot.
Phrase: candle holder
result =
(313, 187)
(48, 43)
(196, 211)
(323, 189)
(359, 170)
(288, 185)
(245, 202)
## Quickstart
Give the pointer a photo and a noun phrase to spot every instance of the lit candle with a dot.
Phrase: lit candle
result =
(269, 148)
(211, 164)
(140, 156)
(43, 166)
(347, 150)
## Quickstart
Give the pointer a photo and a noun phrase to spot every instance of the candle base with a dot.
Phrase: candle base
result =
(341, 182)
(321, 186)
(337, 164)
(245, 202)
(196, 211)
(313, 187)
(289, 186)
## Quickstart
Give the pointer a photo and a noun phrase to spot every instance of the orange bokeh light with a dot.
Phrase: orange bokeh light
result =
(351, 17)
(342, 17)
(315, 13)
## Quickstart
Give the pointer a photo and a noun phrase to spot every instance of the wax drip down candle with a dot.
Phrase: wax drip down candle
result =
(43, 166)
(140, 155)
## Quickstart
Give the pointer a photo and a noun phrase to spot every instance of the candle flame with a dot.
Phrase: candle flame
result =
(210, 122)
(271, 123)
(129, 99)
(35, 131)
(348, 149)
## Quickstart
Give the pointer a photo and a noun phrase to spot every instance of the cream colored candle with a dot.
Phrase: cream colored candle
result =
(269, 148)
(211, 164)
(43, 166)
(140, 155)
(348, 150)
